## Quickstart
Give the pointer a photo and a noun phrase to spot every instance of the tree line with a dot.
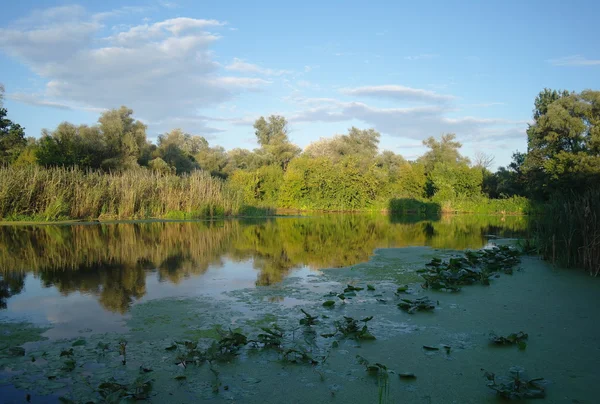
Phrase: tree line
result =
(346, 171)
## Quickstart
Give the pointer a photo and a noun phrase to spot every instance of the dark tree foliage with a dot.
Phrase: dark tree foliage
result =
(12, 139)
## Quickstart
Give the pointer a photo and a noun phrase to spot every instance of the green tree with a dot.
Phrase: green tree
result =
(362, 143)
(12, 139)
(564, 142)
(177, 149)
(446, 151)
(213, 160)
(275, 146)
(125, 138)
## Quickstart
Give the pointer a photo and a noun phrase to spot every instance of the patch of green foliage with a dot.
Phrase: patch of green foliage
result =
(514, 386)
(473, 267)
(419, 304)
(518, 338)
(350, 328)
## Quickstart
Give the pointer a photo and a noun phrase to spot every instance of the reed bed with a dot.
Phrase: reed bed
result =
(36, 193)
(568, 231)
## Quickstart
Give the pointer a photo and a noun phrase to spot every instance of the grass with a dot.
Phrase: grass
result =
(40, 194)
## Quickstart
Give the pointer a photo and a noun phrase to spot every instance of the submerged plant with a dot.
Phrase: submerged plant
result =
(514, 387)
(382, 373)
(518, 338)
(123, 351)
(420, 304)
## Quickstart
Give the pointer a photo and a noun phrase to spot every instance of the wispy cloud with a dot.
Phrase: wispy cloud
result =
(239, 65)
(574, 60)
(423, 56)
(42, 101)
(397, 92)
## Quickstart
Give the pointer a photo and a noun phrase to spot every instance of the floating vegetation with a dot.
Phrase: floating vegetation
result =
(113, 392)
(402, 289)
(329, 303)
(350, 328)
(514, 386)
(430, 348)
(407, 376)
(351, 288)
(473, 267)
(308, 319)
(370, 287)
(518, 338)
(79, 342)
(16, 351)
(420, 304)
(272, 336)
(231, 341)
(299, 355)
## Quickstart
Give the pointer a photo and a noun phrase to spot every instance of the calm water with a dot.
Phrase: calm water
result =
(154, 283)
(88, 276)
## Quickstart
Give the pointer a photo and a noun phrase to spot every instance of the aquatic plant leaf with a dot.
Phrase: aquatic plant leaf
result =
(69, 365)
(420, 304)
(407, 375)
(514, 387)
(402, 289)
(328, 303)
(68, 352)
(171, 347)
(430, 348)
(79, 342)
(180, 377)
(370, 287)
(308, 319)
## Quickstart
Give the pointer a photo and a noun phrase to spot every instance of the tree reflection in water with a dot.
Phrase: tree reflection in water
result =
(112, 261)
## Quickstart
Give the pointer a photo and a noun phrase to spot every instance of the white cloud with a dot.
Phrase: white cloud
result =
(575, 60)
(411, 123)
(397, 92)
(241, 66)
(162, 71)
(40, 100)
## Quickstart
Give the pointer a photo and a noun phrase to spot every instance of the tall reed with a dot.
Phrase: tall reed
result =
(69, 193)
(568, 231)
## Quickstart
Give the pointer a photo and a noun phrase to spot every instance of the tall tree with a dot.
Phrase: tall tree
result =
(362, 143)
(446, 151)
(125, 138)
(272, 135)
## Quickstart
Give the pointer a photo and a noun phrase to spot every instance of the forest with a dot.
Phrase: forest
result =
(111, 171)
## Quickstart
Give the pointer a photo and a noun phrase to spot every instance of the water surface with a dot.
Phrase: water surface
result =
(88, 276)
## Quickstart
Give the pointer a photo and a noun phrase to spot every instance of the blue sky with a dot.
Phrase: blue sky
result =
(408, 69)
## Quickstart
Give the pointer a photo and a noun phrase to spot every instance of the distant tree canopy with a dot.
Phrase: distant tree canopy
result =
(346, 171)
